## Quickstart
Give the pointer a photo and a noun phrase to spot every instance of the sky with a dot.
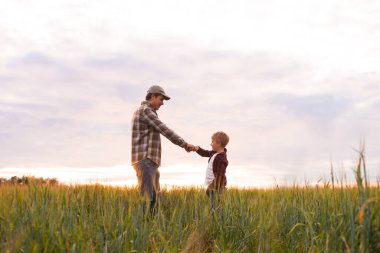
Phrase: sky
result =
(295, 84)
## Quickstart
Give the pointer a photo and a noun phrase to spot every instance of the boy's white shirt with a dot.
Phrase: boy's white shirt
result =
(209, 171)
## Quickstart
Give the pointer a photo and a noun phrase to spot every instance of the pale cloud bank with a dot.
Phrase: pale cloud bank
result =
(292, 91)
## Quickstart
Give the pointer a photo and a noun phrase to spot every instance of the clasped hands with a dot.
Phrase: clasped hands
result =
(190, 148)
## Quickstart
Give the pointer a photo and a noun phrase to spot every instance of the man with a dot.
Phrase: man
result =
(146, 142)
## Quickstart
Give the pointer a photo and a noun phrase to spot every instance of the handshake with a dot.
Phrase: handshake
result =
(190, 148)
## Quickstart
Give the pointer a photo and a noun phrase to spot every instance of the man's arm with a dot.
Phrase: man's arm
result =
(155, 122)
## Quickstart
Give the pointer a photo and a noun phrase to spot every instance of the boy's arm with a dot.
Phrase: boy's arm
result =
(219, 169)
(205, 153)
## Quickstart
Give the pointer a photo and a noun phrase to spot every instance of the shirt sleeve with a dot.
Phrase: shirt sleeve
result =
(205, 153)
(157, 124)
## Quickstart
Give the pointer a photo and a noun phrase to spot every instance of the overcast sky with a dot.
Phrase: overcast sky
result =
(295, 84)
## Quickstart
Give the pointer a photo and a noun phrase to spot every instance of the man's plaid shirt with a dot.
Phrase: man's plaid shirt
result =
(146, 130)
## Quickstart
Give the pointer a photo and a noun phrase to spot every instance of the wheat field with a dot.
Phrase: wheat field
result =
(96, 218)
(333, 217)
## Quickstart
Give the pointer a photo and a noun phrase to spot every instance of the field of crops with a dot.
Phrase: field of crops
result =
(95, 218)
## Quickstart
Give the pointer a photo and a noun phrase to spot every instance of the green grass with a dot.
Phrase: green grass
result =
(94, 218)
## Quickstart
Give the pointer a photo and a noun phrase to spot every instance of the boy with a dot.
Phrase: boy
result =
(216, 180)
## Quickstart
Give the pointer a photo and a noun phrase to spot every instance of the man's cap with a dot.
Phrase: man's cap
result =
(158, 90)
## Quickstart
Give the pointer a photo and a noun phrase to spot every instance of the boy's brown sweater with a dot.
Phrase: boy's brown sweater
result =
(219, 167)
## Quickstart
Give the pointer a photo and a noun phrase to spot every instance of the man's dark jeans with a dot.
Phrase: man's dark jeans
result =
(148, 178)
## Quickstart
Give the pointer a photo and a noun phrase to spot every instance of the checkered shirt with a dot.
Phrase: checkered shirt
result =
(146, 130)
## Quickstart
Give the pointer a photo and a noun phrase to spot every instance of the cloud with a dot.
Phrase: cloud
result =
(34, 58)
(320, 107)
(118, 62)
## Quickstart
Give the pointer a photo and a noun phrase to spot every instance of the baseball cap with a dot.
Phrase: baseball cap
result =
(159, 90)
